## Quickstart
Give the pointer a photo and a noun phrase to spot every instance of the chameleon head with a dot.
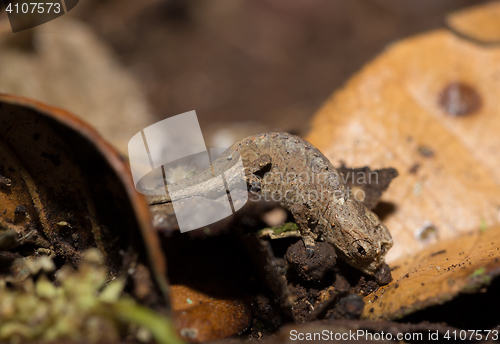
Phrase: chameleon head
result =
(360, 238)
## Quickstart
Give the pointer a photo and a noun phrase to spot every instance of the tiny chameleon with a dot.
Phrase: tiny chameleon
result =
(356, 233)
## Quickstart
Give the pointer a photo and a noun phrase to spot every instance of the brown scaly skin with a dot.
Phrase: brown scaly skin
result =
(305, 183)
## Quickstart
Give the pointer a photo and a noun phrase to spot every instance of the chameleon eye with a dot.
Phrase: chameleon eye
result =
(362, 250)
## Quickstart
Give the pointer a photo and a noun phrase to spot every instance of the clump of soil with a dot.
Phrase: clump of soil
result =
(321, 287)
(311, 269)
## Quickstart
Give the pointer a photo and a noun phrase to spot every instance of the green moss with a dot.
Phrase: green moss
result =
(83, 307)
(483, 226)
(286, 227)
(478, 272)
(478, 279)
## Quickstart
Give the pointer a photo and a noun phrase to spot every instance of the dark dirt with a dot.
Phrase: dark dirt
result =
(5, 182)
(20, 210)
(322, 287)
(314, 268)
(383, 275)
(348, 307)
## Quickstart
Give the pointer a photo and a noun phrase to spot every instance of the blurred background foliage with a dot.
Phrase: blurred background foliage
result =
(271, 61)
(267, 63)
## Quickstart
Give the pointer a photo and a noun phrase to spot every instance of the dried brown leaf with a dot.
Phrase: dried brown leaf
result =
(437, 274)
(199, 317)
(391, 114)
(428, 106)
(479, 23)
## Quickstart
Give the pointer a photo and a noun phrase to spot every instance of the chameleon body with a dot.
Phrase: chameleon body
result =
(290, 170)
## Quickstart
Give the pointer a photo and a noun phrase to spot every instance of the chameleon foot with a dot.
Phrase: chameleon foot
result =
(301, 214)
(253, 183)
(309, 243)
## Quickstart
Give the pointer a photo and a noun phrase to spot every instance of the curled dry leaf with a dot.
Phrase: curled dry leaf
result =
(212, 281)
(428, 106)
(64, 190)
(478, 23)
(437, 274)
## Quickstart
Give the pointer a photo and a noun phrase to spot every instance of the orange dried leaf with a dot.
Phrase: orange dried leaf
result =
(199, 317)
(437, 274)
(428, 106)
(480, 23)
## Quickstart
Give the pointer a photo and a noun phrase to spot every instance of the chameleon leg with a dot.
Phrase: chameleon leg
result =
(300, 214)
(258, 164)
(252, 179)
(254, 182)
